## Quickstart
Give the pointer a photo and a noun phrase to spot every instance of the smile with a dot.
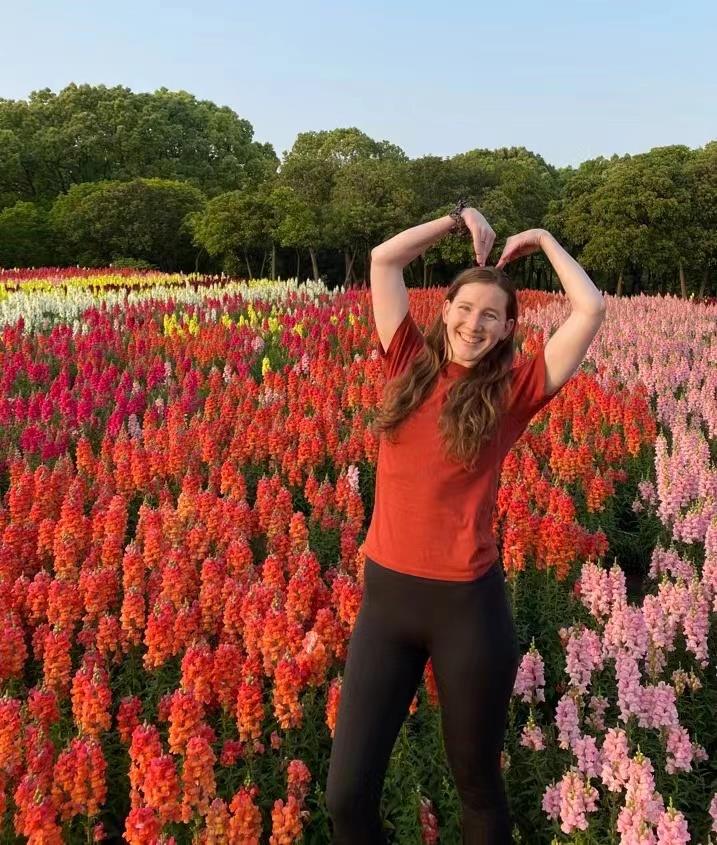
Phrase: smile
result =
(469, 342)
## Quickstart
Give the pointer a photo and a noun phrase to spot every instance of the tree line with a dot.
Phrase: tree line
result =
(95, 175)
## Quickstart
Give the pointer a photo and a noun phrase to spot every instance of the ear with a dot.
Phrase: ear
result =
(508, 328)
(446, 306)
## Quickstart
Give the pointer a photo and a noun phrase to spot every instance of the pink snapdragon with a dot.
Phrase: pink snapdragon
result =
(697, 622)
(567, 720)
(601, 590)
(680, 751)
(658, 706)
(629, 691)
(672, 828)
(615, 760)
(588, 756)
(642, 803)
(626, 631)
(661, 625)
(597, 707)
(551, 802)
(577, 797)
(583, 656)
(530, 679)
(532, 736)
(668, 562)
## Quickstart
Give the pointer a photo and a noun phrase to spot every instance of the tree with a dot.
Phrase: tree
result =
(232, 224)
(89, 133)
(370, 201)
(26, 239)
(298, 223)
(306, 182)
(631, 214)
(142, 219)
(702, 178)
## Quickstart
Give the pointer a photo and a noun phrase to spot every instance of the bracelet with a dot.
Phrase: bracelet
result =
(459, 226)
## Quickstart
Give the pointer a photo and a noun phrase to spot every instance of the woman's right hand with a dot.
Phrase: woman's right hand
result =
(483, 235)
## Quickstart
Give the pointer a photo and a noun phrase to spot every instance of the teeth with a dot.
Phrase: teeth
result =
(472, 342)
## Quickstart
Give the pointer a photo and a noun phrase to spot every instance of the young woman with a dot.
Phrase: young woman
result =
(433, 583)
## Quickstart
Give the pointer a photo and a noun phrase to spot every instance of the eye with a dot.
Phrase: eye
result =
(492, 315)
(464, 308)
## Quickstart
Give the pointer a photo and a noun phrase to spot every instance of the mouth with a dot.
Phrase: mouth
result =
(470, 341)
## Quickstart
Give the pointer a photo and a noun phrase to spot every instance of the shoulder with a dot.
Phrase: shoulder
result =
(406, 343)
(527, 391)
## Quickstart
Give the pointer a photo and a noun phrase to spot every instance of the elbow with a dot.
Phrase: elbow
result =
(382, 255)
(594, 309)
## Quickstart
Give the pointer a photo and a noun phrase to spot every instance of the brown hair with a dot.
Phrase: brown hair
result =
(471, 411)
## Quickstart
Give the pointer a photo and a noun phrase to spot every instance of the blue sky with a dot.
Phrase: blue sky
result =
(568, 80)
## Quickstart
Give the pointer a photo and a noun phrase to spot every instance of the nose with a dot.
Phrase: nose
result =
(476, 325)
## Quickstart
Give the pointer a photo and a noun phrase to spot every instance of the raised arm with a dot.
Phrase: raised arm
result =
(388, 290)
(567, 347)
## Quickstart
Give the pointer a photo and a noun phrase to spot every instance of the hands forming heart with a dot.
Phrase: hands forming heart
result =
(517, 246)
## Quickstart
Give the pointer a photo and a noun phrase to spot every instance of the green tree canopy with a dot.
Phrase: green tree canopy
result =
(143, 219)
(26, 238)
(90, 133)
(232, 224)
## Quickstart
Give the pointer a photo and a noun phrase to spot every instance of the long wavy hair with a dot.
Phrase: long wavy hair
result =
(471, 412)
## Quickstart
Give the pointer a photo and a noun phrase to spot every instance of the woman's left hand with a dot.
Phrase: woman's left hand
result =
(521, 244)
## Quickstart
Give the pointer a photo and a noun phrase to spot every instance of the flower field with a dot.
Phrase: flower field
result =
(186, 478)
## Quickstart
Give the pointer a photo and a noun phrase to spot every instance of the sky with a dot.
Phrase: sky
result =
(568, 80)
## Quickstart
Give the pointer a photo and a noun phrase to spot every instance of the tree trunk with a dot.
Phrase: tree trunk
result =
(248, 265)
(703, 286)
(196, 261)
(425, 273)
(263, 261)
(636, 282)
(273, 261)
(314, 263)
(618, 290)
(683, 281)
(298, 265)
(349, 265)
(430, 275)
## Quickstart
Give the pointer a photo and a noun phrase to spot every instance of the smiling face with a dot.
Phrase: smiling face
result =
(475, 321)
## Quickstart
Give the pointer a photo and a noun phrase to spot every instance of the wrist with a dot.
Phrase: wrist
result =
(544, 237)
(456, 215)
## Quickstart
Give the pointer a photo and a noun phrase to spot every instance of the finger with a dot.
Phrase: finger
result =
(487, 245)
(484, 253)
(491, 241)
(503, 260)
(477, 247)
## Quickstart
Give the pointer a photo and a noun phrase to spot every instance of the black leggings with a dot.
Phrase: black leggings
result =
(467, 629)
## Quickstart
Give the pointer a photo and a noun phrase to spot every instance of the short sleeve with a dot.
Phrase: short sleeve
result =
(406, 343)
(528, 395)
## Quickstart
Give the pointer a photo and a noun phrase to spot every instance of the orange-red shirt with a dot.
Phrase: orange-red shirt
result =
(431, 516)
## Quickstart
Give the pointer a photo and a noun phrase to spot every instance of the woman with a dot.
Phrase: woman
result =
(433, 583)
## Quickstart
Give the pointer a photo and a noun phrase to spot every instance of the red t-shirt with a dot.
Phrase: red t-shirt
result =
(431, 516)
